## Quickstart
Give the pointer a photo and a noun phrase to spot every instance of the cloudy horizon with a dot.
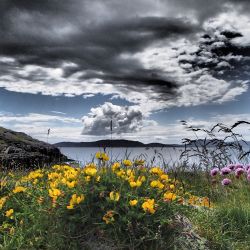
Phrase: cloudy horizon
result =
(72, 66)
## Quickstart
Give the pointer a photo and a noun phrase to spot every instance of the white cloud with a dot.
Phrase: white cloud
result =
(232, 19)
(4, 59)
(233, 92)
(35, 117)
(124, 119)
(58, 112)
(85, 96)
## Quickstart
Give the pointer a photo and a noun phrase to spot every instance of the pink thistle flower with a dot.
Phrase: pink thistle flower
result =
(239, 172)
(231, 166)
(214, 171)
(226, 182)
(247, 167)
(238, 165)
(225, 171)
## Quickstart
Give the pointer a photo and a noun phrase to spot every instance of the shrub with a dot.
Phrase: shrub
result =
(124, 204)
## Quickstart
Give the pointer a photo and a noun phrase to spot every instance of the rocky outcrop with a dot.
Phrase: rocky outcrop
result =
(186, 237)
(20, 150)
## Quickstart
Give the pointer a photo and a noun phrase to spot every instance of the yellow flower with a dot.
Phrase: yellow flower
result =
(138, 183)
(156, 170)
(169, 196)
(133, 203)
(148, 206)
(54, 175)
(2, 201)
(71, 174)
(156, 184)
(102, 156)
(129, 172)
(131, 178)
(133, 184)
(121, 173)
(105, 157)
(70, 206)
(56, 167)
(88, 178)
(172, 186)
(75, 200)
(53, 184)
(142, 178)
(9, 213)
(193, 200)
(205, 202)
(90, 171)
(98, 178)
(54, 193)
(19, 189)
(164, 177)
(160, 185)
(127, 163)
(116, 166)
(64, 181)
(98, 155)
(80, 198)
(109, 217)
(35, 174)
(114, 196)
(71, 184)
(153, 184)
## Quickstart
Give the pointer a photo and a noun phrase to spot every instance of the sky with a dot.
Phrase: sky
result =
(73, 65)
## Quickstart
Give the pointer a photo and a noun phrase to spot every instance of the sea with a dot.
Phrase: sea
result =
(169, 157)
(153, 156)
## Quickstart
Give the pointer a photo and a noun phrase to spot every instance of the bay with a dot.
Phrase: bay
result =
(153, 156)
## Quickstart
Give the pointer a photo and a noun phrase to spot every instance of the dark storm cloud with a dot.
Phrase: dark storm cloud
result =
(100, 38)
(106, 41)
(217, 53)
(48, 33)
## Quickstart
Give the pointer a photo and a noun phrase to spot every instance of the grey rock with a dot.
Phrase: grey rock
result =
(187, 238)
(20, 150)
(12, 150)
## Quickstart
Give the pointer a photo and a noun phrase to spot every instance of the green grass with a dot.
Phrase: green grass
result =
(42, 220)
(227, 226)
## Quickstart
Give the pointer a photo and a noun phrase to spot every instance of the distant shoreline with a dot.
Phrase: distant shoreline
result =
(115, 144)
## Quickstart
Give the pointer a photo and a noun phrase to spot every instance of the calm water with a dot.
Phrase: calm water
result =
(169, 157)
(154, 156)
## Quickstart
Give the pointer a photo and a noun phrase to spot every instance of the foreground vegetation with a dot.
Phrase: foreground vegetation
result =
(124, 205)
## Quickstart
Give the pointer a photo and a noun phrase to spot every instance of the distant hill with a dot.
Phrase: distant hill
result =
(113, 143)
(126, 144)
